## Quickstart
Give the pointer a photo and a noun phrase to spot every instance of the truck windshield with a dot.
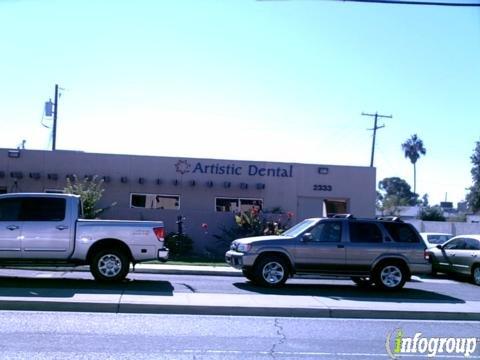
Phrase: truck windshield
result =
(300, 227)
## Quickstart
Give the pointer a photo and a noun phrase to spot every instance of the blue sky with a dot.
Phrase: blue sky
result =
(252, 80)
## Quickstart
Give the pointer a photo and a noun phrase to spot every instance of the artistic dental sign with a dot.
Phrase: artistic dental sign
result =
(183, 167)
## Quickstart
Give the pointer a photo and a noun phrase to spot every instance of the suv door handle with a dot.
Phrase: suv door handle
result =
(341, 246)
(62, 227)
(12, 227)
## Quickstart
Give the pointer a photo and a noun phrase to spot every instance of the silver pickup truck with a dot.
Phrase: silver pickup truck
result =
(47, 229)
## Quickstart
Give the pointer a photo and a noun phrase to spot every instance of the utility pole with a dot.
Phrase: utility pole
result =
(375, 128)
(55, 114)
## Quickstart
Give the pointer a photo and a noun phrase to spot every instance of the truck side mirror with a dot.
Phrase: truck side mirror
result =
(439, 246)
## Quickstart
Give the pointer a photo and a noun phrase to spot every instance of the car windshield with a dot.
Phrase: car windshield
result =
(300, 228)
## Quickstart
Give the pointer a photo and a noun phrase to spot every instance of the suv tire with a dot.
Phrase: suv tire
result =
(390, 275)
(271, 271)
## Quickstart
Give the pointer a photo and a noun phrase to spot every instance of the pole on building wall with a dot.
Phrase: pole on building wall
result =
(55, 114)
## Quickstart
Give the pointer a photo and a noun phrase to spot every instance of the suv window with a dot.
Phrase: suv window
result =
(364, 232)
(9, 209)
(401, 233)
(330, 231)
(43, 209)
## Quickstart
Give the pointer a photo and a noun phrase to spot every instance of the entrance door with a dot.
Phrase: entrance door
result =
(335, 207)
(309, 207)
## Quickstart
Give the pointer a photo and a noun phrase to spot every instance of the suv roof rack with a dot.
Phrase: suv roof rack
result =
(343, 216)
(390, 218)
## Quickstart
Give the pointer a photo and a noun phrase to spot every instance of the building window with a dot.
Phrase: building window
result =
(3, 189)
(237, 204)
(155, 201)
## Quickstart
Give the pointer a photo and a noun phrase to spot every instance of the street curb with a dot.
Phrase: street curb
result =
(138, 270)
(172, 271)
(135, 308)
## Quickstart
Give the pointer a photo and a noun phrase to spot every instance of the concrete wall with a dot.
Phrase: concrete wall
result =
(455, 228)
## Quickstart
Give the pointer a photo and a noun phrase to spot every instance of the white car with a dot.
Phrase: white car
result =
(433, 239)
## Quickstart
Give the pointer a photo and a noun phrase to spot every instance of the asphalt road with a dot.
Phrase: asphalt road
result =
(36, 283)
(32, 335)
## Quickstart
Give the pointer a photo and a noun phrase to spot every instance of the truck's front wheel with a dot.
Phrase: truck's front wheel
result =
(109, 265)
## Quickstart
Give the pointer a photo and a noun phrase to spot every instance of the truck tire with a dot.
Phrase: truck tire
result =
(390, 275)
(271, 271)
(109, 265)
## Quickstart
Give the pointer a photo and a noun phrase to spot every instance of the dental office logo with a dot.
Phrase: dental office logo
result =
(398, 344)
(183, 167)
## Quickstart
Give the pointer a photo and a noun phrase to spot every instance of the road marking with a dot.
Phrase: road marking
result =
(433, 281)
(306, 353)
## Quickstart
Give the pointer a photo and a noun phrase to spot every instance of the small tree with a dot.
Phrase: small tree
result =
(473, 196)
(90, 191)
(394, 192)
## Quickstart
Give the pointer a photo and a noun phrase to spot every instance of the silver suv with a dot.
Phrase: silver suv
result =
(384, 252)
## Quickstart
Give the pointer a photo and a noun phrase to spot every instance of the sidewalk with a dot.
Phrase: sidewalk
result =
(58, 299)
(187, 269)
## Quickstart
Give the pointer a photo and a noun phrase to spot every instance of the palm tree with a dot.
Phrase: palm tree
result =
(412, 149)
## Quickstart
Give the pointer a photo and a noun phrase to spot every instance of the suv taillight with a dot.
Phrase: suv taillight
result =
(426, 254)
(159, 233)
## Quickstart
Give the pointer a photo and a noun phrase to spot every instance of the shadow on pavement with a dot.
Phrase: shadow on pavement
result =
(352, 292)
(55, 287)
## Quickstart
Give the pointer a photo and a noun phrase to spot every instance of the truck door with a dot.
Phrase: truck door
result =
(46, 231)
(10, 228)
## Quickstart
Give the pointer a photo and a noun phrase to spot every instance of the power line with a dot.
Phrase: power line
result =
(407, 2)
(375, 128)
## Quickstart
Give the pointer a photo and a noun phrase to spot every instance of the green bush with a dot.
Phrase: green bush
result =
(434, 213)
(178, 244)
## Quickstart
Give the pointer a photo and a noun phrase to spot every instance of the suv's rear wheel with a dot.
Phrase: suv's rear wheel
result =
(362, 281)
(390, 276)
(271, 271)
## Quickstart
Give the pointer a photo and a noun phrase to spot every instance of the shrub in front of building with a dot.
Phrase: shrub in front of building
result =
(180, 245)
